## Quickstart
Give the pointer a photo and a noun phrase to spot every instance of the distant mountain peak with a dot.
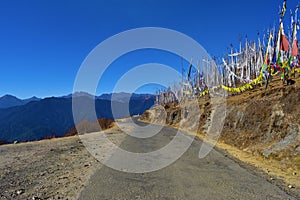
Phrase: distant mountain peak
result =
(8, 101)
(9, 96)
(34, 98)
(79, 94)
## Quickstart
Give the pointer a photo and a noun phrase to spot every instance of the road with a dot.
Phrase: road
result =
(213, 177)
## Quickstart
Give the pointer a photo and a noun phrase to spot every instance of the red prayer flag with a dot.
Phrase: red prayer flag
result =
(295, 49)
(284, 45)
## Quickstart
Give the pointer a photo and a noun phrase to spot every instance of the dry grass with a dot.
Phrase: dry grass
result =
(86, 126)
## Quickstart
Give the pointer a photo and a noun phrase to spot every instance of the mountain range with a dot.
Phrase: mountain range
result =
(8, 101)
(36, 119)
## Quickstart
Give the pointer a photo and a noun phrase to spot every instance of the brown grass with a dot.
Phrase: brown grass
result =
(86, 126)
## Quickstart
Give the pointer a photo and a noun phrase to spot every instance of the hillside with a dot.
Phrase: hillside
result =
(261, 126)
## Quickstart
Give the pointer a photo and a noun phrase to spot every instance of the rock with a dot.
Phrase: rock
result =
(36, 198)
(87, 165)
(21, 191)
(291, 187)
(15, 142)
(294, 173)
(43, 174)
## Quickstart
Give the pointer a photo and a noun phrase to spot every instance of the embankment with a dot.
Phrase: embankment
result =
(261, 127)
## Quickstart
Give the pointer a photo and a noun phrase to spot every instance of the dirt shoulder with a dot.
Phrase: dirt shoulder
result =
(47, 169)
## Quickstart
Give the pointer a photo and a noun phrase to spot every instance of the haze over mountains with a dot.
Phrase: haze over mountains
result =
(36, 119)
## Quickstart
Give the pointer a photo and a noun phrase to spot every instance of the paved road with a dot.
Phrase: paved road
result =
(214, 177)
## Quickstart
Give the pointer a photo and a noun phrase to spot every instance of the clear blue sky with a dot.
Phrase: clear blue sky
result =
(44, 42)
